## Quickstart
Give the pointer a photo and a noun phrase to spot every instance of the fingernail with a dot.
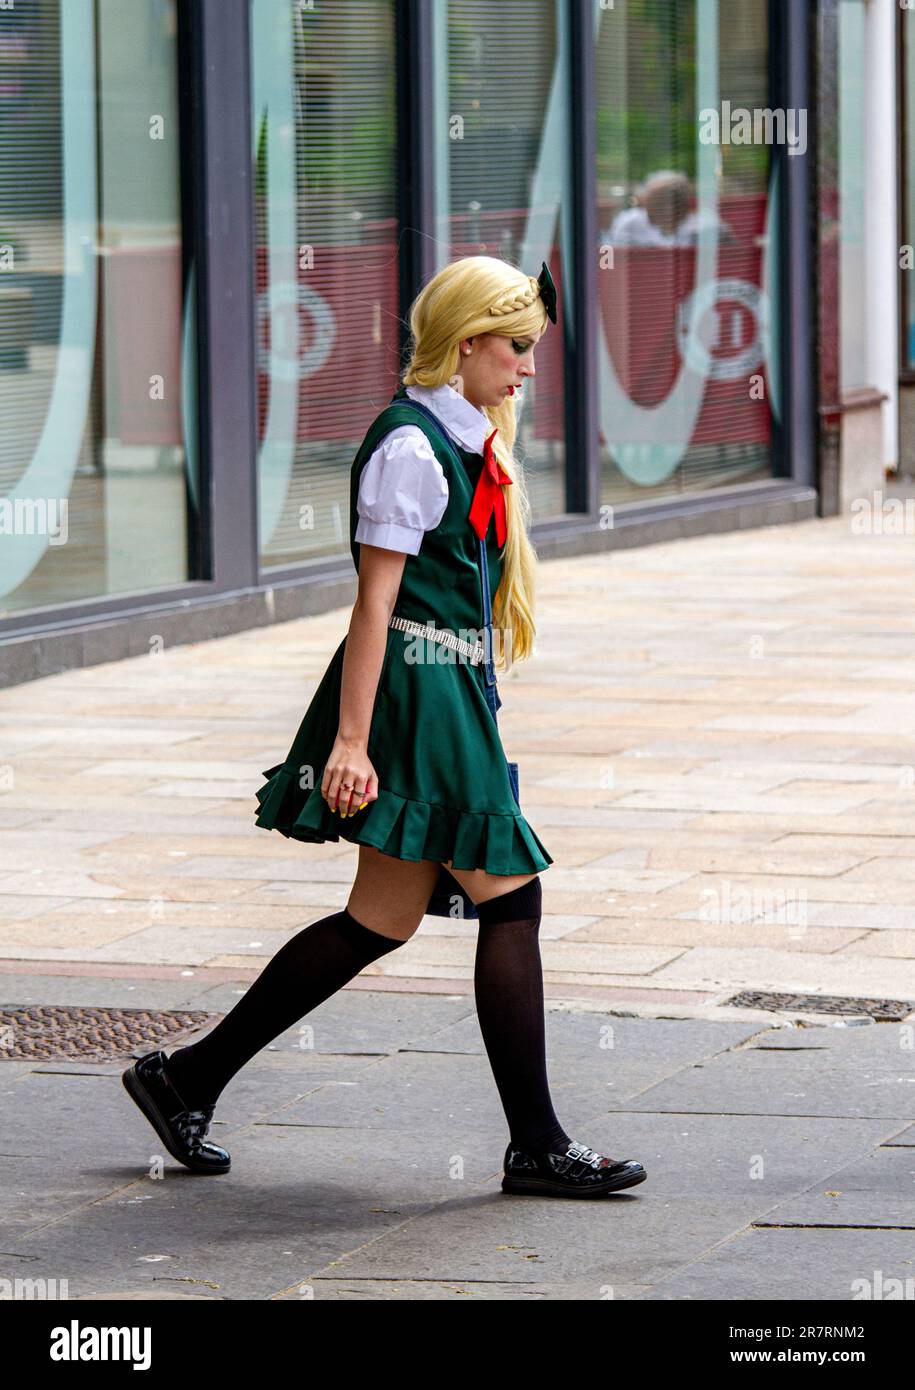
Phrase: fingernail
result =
(363, 806)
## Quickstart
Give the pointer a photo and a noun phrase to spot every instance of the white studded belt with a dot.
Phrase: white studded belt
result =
(474, 651)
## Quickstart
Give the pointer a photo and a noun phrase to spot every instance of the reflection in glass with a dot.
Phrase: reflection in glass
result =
(93, 489)
(683, 327)
(324, 143)
(502, 182)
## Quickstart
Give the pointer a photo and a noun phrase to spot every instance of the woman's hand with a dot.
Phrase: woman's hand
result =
(350, 781)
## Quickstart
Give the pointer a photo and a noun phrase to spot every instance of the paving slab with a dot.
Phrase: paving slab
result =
(860, 1072)
(873, 1191)
(295, 1201)
(798, 1266)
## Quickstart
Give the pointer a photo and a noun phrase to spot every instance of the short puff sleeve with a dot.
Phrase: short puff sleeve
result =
(402, 492)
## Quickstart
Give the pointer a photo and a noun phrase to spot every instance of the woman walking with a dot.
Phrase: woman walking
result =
(399, 751)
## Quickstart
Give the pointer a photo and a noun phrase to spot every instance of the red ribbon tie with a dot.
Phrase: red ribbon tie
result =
(488, 496)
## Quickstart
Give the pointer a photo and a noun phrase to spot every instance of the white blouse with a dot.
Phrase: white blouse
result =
(402, 491)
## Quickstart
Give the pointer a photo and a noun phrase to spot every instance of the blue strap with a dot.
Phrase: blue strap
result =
(489, 666)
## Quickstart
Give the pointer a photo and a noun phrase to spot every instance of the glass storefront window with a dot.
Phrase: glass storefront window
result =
(327, 297)
(97, 359)
(686, 247)
(502, 170)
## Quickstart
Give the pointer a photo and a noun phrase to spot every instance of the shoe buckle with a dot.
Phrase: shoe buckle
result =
(195, 1123)
(581, 1152)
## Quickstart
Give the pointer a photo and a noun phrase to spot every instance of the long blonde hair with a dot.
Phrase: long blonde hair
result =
(470, 296)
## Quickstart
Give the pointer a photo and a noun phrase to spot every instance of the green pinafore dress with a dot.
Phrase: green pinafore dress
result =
(444, 791)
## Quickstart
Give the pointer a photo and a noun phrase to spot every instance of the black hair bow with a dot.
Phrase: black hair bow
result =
(547, 291)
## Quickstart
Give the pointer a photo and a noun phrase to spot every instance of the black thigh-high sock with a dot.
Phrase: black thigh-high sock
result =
(508, 982)
(310, 968)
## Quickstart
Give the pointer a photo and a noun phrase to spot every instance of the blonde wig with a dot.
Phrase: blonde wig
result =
(471, 296)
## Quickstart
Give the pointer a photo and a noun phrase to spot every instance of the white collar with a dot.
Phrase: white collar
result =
(470, 427)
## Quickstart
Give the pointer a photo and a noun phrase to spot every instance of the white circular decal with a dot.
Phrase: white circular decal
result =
(279, 361)
(707, 305)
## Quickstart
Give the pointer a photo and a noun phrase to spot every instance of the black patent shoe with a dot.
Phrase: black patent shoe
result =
(181, 1130)
(579, 1172)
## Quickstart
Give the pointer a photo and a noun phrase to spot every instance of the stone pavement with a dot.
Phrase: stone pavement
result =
(367, 1165)
(716, 745)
